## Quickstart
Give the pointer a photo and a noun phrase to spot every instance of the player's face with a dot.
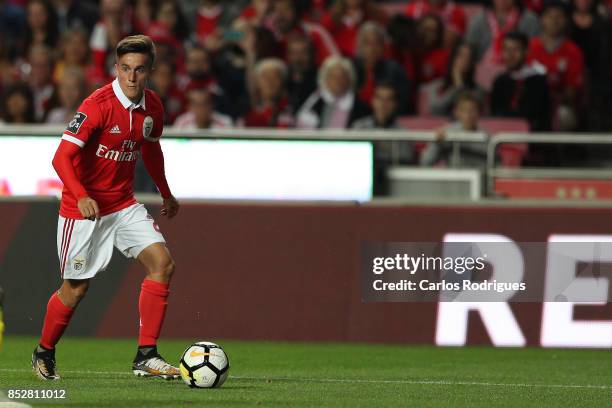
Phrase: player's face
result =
(133, 70)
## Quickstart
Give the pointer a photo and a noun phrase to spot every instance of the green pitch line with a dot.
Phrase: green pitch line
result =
(96, 373)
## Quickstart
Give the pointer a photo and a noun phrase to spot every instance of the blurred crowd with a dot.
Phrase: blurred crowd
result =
(319, 64)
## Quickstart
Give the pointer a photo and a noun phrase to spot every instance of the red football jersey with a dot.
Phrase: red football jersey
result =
(564, 66)
(110, 130)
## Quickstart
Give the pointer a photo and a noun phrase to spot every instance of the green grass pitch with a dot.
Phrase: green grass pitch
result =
(96, 373)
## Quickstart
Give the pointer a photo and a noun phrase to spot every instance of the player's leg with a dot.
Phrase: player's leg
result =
(60, 308)
(138, 237)
(84, 249)
(159, 267)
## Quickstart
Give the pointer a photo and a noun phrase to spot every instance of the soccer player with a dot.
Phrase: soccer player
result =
(96, 157)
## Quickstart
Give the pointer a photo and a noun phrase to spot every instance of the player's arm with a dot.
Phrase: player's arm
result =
(153, 158)
(74, 138)
(62, 162)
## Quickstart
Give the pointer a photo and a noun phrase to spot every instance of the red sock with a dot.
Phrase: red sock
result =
(56, 320)
(152, 306)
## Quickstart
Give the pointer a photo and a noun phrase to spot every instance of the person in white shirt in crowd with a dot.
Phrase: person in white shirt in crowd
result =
(71, 91)
(334, 105)
(201, 112)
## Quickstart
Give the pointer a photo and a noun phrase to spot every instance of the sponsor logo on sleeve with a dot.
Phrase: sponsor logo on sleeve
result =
(76, 122)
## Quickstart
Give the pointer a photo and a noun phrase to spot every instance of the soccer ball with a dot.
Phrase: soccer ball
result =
(204, 365)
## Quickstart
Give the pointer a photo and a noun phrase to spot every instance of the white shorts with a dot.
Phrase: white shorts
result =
(85, 247)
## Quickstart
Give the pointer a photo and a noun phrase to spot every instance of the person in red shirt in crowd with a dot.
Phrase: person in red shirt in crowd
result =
(451, 14)
(269, 102)
(431, 57)
(564, 63)
(344, 19)
(286, 21)
(371, 67)
(115, 23)
(112, 129)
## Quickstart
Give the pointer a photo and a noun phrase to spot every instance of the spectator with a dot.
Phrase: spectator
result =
(371, 67)
(71, 91)
(18, 104)
(170, 15)
(144, 14)
(564, 64)
(42, 26)
(404, 43)
(441, 94)
(302, 76)
(114, 24)
(201, 113)
(198, 69)
(452, 16)
(164, 84)
(588, 31)
(431, 56)
(386, 153)
(591, 33)
(522, 90)
(286, 21)
(269, 102)
(344, 19)
(12, 27)
(9, 71)
(40, 78)
(73, 14)
(73, 52)
(487, 29)
(334, 105)
(466, 113)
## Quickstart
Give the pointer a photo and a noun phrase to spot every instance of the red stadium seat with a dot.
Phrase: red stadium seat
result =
(511, 154)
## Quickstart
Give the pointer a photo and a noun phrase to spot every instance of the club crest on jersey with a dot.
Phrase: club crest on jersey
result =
(147, 126)
(77, 264)
(76, 122)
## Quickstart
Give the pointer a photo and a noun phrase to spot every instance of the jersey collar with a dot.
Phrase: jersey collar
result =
(125, 101)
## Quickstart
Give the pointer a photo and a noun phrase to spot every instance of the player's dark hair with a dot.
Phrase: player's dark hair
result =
(139, 44)
(518, 37)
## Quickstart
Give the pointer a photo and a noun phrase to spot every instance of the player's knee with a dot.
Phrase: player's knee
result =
(78, 292)
(163, 269)
(72, 292)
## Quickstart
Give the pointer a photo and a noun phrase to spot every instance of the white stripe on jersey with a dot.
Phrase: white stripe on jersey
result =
(73, 139)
